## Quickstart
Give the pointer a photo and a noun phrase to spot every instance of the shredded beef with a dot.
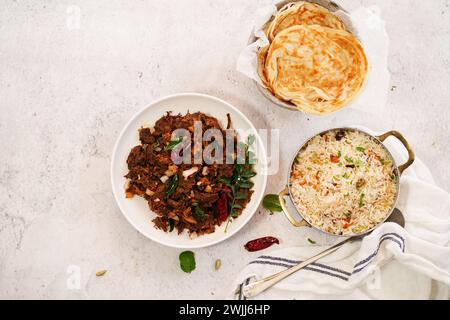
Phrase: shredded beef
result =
(191, 204)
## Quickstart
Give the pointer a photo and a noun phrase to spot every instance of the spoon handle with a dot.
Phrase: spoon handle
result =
(253, 289)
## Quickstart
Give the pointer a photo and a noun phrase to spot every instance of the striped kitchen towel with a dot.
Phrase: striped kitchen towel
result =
(391, 263)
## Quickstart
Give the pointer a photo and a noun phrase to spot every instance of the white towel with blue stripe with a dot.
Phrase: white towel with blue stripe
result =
(391, 263)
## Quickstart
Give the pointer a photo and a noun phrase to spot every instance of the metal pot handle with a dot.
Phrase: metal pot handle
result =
(292, 220)
(399, 136)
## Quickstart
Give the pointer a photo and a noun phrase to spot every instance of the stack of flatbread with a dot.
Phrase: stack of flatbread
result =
(313, 61)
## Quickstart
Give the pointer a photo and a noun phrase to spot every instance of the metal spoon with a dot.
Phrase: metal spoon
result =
(253, 289)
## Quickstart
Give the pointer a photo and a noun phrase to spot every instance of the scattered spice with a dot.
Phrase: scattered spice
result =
(218, 264)
(360, 183)
(261, 244)
(311, 241)
(101, 273)
(340, 135)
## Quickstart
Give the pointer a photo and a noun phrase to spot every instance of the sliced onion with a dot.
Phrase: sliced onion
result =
(191, 171)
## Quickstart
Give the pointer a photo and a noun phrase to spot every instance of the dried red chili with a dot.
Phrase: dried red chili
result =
(261, 244)
(222, 207)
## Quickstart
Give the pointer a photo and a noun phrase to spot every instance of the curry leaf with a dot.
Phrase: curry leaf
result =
(156, 146)
(272, 203)
(173, 144)
(199, 214)
(248, 174)
(240, 196)
(171, 185)
(245, 184)
(171, 225)
(187, 261)
(251, 139)
(226, 181)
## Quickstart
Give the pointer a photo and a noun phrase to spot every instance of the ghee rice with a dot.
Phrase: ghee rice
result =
(344, 182)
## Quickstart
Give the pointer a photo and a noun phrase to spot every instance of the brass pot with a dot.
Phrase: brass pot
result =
(398, 171)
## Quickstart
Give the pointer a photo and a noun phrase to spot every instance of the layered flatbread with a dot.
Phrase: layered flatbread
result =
(303, 13)
(318, 69)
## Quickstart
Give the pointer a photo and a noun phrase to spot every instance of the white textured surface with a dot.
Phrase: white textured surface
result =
(65, 94)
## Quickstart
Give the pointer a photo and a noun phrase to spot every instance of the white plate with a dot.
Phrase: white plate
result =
(137, 211)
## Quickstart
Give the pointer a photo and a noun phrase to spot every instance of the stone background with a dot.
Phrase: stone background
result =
(66, 92)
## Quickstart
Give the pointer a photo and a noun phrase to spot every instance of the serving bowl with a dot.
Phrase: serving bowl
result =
(332, 7)
(398, 171)
(137, 211)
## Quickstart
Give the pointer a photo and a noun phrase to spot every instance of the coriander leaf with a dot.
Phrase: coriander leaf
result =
(361, 200)
(359, 163)
(349, 159)
(361, 149)
(237, 206)
(187, 261)
(272, 203)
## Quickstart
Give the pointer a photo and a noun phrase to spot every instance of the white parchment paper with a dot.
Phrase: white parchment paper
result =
(367, 25)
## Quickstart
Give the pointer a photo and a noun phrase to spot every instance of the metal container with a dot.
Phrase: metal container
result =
(398, 171)
(332, 7)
